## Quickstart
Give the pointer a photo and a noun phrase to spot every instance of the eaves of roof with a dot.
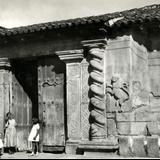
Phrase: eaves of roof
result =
(147, 13)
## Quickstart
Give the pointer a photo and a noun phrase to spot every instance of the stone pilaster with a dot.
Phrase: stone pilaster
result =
(5, 86)
(72, 58)
(96, 51)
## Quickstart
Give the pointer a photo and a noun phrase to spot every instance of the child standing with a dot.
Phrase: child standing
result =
(34, 136)
(10, 133)
(1, 144)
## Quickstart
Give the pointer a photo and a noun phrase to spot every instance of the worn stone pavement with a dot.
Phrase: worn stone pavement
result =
(24, 155)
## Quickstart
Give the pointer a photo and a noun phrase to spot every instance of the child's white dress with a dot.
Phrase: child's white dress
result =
(11, 135)
(1, 143)
(33, 133)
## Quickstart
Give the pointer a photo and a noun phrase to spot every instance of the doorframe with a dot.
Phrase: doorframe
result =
(64, 110)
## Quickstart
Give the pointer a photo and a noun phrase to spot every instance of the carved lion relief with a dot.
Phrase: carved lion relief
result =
(117, 93)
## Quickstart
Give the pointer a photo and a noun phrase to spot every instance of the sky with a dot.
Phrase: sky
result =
(16, 13)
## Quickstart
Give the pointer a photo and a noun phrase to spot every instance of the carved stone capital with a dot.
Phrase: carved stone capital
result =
(5, 63)
(70, 55)
(97, 43)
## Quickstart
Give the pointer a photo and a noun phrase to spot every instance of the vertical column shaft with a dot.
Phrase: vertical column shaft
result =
(72, 58)
(96, 51)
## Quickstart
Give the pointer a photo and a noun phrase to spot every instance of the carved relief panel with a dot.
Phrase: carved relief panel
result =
(117, 94)
(85, 100)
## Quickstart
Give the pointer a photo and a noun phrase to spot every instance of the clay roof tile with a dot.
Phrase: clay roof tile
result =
(147, 13)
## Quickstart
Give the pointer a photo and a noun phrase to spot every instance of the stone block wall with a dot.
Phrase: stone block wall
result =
(154, 77)
(132, 98)
(117, 71)
(128, 98)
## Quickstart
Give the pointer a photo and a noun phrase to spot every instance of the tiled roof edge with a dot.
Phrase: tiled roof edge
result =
(132, 15)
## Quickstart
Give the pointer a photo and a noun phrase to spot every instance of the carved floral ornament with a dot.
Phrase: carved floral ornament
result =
(66, 56)
(57, 80)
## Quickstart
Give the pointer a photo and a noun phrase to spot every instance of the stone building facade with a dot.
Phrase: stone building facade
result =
(93, 82)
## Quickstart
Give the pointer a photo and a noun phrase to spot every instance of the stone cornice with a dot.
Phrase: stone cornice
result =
(97, 43)
(70, 55)
(4, 63)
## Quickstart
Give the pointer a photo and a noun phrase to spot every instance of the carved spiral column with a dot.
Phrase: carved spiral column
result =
(97, 114)
(96, 53)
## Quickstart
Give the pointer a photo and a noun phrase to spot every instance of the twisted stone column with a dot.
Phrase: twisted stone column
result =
(96, 51)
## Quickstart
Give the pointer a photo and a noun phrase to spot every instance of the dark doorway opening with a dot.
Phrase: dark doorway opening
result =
(42, 81)
(25, 71)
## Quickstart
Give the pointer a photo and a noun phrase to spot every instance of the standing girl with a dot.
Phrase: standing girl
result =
(34, 136)
(10, 133)
(1, 144)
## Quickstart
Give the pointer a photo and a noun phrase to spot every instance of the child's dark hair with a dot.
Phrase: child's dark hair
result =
(1, 135)
(35, 120)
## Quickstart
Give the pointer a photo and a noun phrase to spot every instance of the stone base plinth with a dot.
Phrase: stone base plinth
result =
(101, 153)
(91, 148)
(72, 147)
(139, 146)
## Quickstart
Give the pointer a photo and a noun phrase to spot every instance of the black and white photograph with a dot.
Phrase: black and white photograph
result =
(79, 79)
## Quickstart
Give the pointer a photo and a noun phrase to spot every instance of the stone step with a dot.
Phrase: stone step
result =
(100, 154)
(103, 148)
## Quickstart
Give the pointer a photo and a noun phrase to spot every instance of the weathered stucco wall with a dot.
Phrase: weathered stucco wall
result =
(5, 86)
